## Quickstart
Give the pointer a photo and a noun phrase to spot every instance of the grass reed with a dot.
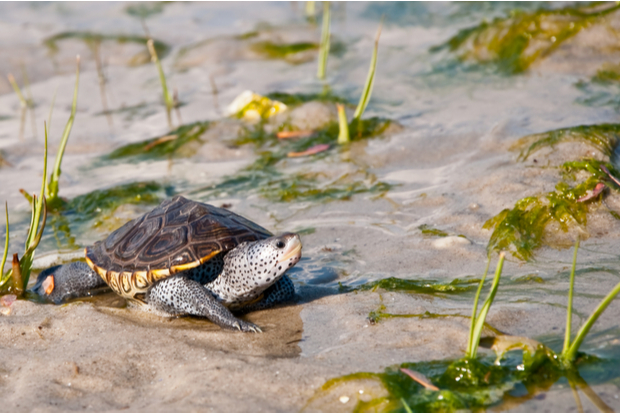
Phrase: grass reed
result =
(343, 135)
(370, 79)
(168, 98)
(52, 188)
(325, 39)
(4, 277)
(569, 352)
(19, 274)
(477, 321)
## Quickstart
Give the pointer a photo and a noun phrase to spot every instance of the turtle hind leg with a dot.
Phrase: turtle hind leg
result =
(63, 282)
(280, 292)
(180, 295)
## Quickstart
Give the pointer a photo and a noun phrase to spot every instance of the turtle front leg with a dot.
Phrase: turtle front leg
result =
(63, 282)
(281, 292)
(179, 295)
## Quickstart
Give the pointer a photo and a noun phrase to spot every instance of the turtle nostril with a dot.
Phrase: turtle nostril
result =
(280, 244)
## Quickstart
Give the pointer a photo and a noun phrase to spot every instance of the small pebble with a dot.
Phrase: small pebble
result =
(7, 300)
(450, 242)
(344, 399)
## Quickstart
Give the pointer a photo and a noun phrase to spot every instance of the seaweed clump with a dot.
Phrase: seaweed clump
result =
(521, 229)
(92, 39)
(512, 44)
(456, 286)
(162, 146)
(603, 137)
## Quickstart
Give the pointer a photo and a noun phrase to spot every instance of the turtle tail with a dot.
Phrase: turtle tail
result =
(63, 282)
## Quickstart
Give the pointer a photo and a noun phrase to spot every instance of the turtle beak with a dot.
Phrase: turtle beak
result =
(293, 247)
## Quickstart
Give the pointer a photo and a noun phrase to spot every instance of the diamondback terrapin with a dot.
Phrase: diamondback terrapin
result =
(185, 257)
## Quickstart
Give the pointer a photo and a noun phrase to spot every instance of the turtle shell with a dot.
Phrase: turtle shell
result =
(176, 236)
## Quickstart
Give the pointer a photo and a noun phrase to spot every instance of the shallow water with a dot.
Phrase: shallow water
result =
(447, 161)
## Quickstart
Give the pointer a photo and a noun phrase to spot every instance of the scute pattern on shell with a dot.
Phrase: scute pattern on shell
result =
(177, 235)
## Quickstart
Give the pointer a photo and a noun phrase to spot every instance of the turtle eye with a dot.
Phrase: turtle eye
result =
(280, 244)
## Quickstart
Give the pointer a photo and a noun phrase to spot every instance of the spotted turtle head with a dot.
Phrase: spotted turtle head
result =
(270, 258)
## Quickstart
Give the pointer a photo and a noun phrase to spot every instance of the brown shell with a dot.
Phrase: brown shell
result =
(177, 235)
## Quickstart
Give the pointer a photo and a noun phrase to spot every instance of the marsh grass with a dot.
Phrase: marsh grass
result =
(168, 98)
(569, 352)
(325, 42)
(16, 279)
(370, 79)
(26, 104)
(476, 383)
(343, 134)
(478, 320)
(53, 186)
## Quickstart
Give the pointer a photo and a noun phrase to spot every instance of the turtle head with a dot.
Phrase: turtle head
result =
(270, 258)
(253, 267)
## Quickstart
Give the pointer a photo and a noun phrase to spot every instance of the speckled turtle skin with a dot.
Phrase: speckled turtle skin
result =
(185, 257)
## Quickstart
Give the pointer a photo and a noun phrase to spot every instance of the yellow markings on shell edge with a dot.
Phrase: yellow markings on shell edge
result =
(114, 281)
(160, 274)
(126, 282)
(140, 280)
(175, 269)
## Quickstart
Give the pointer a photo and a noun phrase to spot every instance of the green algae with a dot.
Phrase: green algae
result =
(513, 43)
(162, 146)
(280, 51)
(90, 39)
(434, 232)
(607, 74)
(376, 316)
(144, 10)
(105, 200)
(279, 187)
(528, 279)
(601, 90)
(130, 113)
(456, 286)
(521, 230)
(473, 384)
(603, 137)
(264, 178)
(295, 99)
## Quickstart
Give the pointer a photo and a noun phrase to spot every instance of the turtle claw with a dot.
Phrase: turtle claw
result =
(246, 327)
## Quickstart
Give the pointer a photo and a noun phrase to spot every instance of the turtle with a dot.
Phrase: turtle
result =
(184, 258)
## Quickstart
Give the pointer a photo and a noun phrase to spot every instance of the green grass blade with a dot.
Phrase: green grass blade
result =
(162, 78)
(343, 135)
(406, 406)
(486, 306)
(475, 309)
(49, 115)
(5, 277)
(35, 232)
(52, 190)
(310, 9)
(570, 355)
(370, 79)
(17, 90)
(569, 306)
(324, 48)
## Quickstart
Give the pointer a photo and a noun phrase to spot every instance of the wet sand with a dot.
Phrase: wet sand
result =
(451, 163)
